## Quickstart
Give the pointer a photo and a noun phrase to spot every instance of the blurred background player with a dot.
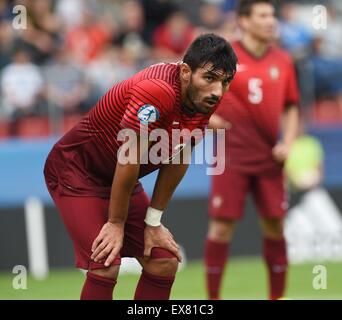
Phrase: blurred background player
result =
(103, 205)
(264, 93)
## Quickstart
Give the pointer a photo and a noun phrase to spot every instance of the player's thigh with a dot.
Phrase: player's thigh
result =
(84, 218)
(270, 196)
(228, 194)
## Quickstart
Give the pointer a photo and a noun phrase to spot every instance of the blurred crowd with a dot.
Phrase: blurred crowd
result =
(71, 51)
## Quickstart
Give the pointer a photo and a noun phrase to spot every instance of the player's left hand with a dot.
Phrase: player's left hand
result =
(160, 237)
(280, 152)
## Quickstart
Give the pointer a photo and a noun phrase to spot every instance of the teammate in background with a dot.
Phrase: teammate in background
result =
(104, 207)
(263, 93)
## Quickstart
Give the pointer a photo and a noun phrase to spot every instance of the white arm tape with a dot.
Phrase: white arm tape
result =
(153, 217)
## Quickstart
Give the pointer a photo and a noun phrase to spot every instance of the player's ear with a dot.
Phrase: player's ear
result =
(185, 72)
(243, 22)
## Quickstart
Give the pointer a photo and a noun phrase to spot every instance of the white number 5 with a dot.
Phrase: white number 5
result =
(255, 91)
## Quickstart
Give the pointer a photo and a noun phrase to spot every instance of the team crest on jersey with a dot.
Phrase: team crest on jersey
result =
(274, 72)
(148, 113)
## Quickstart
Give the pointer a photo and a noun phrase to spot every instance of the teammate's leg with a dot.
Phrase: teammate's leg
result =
(275, 256)
(216, 252)
(271, 200)
(226, 204)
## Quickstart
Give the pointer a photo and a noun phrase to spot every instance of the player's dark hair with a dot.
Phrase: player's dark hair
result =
(244, 7)
(213, 49)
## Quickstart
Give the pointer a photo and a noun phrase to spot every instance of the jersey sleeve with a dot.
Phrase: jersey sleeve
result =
(150, 104)
(292, 92)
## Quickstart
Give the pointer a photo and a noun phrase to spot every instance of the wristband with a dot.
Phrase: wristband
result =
(153, 217)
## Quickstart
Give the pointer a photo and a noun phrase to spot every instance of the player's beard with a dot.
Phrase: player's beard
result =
(193, 101)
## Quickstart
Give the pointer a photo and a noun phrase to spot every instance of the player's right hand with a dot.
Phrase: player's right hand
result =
(108, 243)
(280, 152)
(160, 237)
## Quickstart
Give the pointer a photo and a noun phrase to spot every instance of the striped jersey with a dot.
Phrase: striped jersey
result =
(83, 161)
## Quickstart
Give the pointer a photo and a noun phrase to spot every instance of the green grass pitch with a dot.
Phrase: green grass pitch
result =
(245, 278)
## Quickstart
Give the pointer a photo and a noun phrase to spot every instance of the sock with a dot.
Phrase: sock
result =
(97, 288)
(215, 257)
(151, 287)
(275, 256)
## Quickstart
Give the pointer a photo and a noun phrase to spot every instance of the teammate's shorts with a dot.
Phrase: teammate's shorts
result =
(229, 191)
(84, 218)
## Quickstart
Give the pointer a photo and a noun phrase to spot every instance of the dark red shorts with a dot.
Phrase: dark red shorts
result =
(229, 191)
(85, 216)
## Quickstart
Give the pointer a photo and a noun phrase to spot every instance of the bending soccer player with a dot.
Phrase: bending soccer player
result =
(263, 93)
(103, 206)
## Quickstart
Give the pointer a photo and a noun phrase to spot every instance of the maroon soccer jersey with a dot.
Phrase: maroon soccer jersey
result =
(84, 159)
(260, 91)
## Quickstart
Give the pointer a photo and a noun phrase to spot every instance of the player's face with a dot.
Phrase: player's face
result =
(261, 23)
(206, 88)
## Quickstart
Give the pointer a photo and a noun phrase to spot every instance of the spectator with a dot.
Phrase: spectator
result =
(113, 65)
(211, 17)
(21, 87)
(133, 24)
(229, 29)
(6, 43)
(297, 39)
(44, 19)
(86, 41)
(156, 12)
(173, 37)
(70, 12)
(294, 37)
(327, 60)
(229, 5)
(5, 11)
(67, 89)
(39, 43)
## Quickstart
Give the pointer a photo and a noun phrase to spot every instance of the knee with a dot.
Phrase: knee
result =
(162, 263)
(221, 230)
(109, 273)
(164, 267)
(273, 228)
